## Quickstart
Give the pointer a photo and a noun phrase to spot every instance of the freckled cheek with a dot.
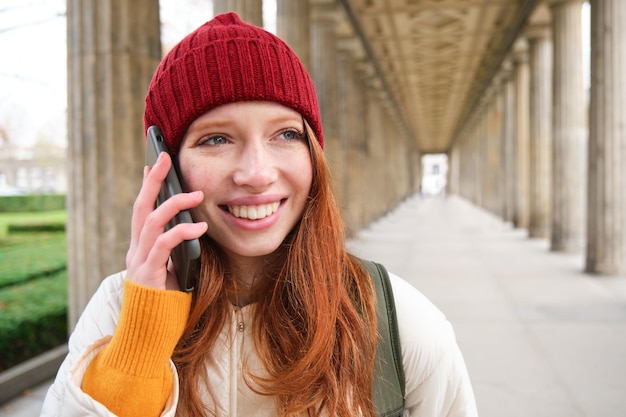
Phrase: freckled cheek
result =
(186, 179)
(203, 180)
(305, 179)
(199, 176)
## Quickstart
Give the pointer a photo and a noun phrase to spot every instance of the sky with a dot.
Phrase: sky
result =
(33, 85)
(32, 69)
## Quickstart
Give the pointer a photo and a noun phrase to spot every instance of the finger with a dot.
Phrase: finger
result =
(150, 188)
(172, 282)
(154, 272)
(148, 194)
(155, 222)
(135, 227)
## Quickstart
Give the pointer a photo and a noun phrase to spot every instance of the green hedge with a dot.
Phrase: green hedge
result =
(33, 285)
(20, 222)
(27, 256)
(36, 227)
(33, 318)
(33, 202)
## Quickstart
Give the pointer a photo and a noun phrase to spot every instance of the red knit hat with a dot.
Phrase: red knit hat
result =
(223, 61)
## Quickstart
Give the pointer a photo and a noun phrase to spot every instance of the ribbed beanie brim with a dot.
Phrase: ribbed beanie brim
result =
(223, 61)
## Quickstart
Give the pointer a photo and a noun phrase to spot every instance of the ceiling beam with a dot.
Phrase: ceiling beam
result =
(379, 72)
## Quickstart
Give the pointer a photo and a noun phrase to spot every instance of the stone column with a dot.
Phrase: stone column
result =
(417, 172)
(376, 151)
(465, 162)
(481, 154)
(352, 131)
(606, 249)
(569, 130)
(500, 132)
(483, 149)
(491, 116)
(509, 179)
(475, 146)
(459, 162)
(453, 169)
(522, 147)
(403, 149)
(371, 154)
(467, 166)
(324, 73)
(540, 45)
(358, 142)
(113, 48)
(250, 11)
(466, 159)
(405, 155)
(492, 162)
(293, 25)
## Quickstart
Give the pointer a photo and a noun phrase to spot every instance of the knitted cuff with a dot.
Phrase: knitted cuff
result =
(150, 325)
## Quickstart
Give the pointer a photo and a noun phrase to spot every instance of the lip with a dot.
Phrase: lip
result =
(253, 225)
(255, 200)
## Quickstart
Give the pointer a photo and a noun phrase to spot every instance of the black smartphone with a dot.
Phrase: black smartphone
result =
(185, 256)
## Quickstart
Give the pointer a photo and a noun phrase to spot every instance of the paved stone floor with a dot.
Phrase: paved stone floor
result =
(540, 337)
(28, 404)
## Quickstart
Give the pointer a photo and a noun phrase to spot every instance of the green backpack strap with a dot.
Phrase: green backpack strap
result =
(389, 383)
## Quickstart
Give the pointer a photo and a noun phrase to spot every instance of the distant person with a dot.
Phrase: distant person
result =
(282, 319)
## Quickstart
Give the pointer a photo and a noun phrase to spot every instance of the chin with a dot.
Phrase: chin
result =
(255, 251)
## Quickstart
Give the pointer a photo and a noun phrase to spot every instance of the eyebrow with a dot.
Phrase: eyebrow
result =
(226, 122)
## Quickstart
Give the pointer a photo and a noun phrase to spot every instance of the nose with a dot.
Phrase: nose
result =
(255, 168)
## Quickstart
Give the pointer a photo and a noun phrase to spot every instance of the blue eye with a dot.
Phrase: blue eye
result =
(214, 141)
(292, 134)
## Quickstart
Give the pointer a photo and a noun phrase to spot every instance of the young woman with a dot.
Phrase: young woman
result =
(282, 319)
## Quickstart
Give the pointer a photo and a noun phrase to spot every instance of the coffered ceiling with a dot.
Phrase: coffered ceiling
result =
(436, 56)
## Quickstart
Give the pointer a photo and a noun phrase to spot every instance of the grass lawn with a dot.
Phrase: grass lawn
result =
(33, 318)
(56, 216)
(27, 256)
(33, 286)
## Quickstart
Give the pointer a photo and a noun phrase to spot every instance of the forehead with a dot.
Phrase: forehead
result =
(245, 109)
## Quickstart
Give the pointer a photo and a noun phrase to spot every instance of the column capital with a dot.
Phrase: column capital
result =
(539, 31)
(366, 68)
(491, 92)
(351, 44)
(519, 51)
(367, 73)
(325, 10)
(506, 70)
(555, 3)
(375, 84)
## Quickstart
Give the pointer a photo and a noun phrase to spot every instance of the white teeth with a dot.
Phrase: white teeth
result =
(254, 212)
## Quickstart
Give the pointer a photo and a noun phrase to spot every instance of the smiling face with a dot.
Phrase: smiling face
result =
(252, 161)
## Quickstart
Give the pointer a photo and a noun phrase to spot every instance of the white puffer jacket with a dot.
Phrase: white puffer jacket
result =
(437, 383)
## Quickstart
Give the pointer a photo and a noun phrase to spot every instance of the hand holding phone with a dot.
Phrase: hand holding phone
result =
(186, 255)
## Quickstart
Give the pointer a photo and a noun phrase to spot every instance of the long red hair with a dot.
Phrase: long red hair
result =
(315, 323)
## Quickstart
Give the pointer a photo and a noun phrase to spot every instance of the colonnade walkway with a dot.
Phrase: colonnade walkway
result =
(540, 337)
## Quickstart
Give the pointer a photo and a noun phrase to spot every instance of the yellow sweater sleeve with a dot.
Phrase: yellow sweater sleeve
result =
(131, 375)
